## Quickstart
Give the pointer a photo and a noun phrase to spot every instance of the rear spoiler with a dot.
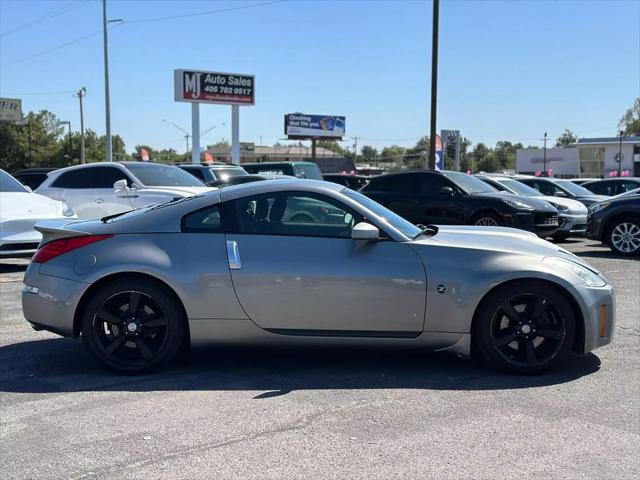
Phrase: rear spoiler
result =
(57, 229)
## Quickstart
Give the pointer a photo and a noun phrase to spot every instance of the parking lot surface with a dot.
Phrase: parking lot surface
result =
(321, 412)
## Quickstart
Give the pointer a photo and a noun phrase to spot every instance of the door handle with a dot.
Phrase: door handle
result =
(98, 200)
(233, 254)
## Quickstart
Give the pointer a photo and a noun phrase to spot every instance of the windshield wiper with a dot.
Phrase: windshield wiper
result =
(429, 230)
(109, 217)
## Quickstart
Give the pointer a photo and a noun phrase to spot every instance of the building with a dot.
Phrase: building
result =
(588, 157)
(327, 160)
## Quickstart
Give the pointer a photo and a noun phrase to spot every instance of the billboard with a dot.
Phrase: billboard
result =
(213, 87)
(10, 109)
(300, 126)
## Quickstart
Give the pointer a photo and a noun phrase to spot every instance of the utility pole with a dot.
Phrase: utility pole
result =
(544, 156)
(107, 108)
(620, 156)
(81, 94)
(431, 163)
(355, 150)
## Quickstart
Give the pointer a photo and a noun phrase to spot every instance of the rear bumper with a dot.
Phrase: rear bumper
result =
(50, 303)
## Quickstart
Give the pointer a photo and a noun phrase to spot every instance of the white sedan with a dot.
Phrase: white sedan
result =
(20, 209)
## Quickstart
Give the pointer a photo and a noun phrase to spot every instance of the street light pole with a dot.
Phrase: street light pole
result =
(431, 161)
(81, 93)
(107, 108)
(544, 155)
(620, 156)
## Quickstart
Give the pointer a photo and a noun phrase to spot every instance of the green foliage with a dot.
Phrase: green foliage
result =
(368, 153)
(630, 121)
(567, 138)
(392, 154)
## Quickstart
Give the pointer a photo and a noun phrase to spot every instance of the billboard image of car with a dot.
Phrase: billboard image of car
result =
(299, 125)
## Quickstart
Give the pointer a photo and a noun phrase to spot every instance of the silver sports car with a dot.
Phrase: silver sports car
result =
(307, 261)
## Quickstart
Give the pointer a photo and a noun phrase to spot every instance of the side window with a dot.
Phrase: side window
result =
(403, 184)
(430, 184)
(546, 188)
(196, 172)
(81, 178)
(295, 214)
(206, 220)
(626, 186)
(105, 177)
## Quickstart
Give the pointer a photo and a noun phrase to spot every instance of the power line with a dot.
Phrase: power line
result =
(44, 18)
(65, 92)
(199, 14)
(52, 49)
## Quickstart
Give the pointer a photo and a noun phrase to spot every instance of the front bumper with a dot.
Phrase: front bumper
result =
(542, 224)
(594, 227)
(576, 224)
(19, 238)
(50, 302)
(597, 305)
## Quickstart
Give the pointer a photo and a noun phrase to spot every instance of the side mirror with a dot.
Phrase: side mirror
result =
(120, 187)
(559, 194)
(446, 191)
(29, 189)
(365, 231)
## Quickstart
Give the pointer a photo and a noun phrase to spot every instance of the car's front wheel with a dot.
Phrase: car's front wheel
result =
(624, 236)
(488, 219)
(524, 327)
(133, 326)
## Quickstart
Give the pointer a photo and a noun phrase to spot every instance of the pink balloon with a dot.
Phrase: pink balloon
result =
(538, 173)
(468, 172)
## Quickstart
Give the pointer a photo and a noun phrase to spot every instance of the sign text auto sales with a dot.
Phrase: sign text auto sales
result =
(214, 87)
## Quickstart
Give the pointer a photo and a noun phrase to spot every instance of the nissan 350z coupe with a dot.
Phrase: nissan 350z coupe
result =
(308, 261)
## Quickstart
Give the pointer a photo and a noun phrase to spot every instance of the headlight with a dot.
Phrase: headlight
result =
(66, 210)
(557, 206)
(517, 204)
(588, 276)
(596, 207)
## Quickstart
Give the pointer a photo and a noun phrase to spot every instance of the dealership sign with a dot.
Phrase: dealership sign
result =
(214, 87)
(10, 109)
(299, 126)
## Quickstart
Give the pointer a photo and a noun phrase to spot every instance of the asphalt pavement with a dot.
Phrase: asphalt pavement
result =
(322, 412)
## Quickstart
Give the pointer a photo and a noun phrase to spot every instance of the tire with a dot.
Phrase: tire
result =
(487, 219)
(540, 324)
(135, 341)
(560, 236)
(623, 236)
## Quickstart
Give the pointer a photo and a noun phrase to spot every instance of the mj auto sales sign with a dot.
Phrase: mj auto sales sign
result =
(214, 87)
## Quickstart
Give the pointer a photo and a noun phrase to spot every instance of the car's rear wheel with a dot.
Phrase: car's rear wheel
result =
(488, 219)
(133, 326)
(624, 236)
(524, 327)
(559, 236)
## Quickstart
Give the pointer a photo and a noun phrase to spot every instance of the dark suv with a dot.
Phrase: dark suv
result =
(454, 198)
(616, 222)
(213, 174)
(295, 169)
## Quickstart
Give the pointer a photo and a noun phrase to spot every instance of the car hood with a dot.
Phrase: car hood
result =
(591, 199)
(496, 239)
(539, 205)
(176, 191)
(575, 207)
(22, 205)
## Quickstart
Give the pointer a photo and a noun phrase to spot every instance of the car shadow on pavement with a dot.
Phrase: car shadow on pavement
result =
(12, 267)
(62, 365)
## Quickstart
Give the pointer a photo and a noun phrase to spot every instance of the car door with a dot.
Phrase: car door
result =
(296, 270)
(399, 193)
(105, 200)
(435, 206)
(75, 188)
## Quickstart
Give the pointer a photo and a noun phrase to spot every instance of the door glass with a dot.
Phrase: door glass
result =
(295, 214)
(76, 179)
(107, 176)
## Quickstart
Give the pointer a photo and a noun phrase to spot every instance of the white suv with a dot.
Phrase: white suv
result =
(99, 189)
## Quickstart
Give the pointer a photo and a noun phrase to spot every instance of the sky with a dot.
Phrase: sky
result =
(508, 70)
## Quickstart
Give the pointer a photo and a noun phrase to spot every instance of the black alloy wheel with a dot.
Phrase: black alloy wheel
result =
(525, 329)
(133, 329)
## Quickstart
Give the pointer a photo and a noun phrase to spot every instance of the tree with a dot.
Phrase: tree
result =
(392, 154)
(630, 121)
(368, 153)
(416, 156)
(567, 138)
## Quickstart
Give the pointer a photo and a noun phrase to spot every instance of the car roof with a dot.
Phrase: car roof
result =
(208, 165)
(276, 185)
(614, 179)
(34, 170)
(279, 163)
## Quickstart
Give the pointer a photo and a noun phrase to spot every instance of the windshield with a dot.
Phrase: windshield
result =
(155, 175)
(10, 184)
(519, 188)
(635, 191)
(308, 171)
(573, 188)
(396, 221)
(469, 184)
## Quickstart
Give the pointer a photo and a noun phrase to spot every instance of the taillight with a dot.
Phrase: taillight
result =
(58, 247)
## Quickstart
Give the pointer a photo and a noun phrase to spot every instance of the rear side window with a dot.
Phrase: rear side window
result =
(397, 184)
(105, 177)
(430, 184)
(206, 220)
(196, 172)
(81, 178)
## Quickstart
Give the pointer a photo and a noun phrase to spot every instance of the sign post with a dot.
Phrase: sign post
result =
(219, 88)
